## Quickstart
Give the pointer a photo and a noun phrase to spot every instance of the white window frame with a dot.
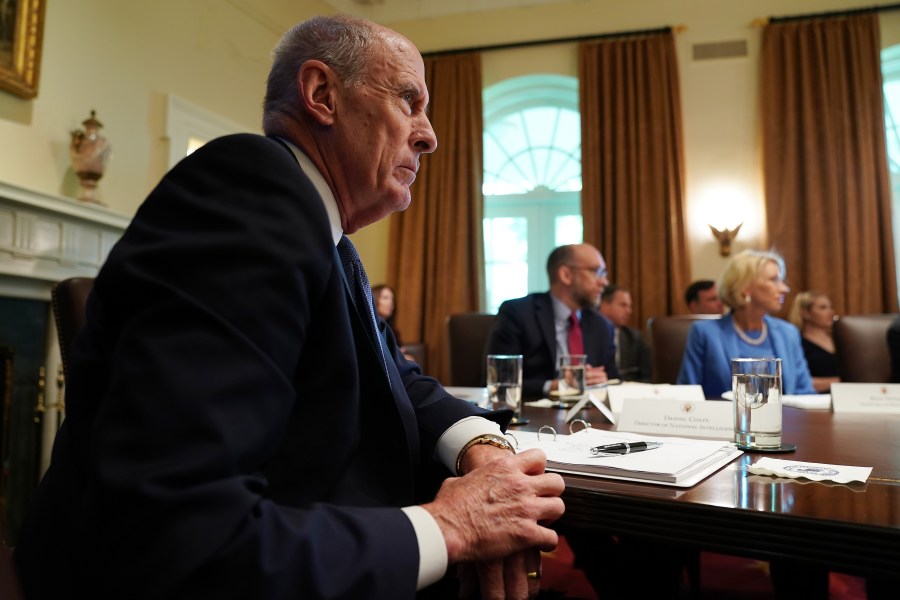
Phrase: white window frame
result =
(189, 126)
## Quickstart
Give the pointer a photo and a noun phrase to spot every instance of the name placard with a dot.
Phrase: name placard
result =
(883, 398)
(596, 398)
(687, 418)
(619, 394)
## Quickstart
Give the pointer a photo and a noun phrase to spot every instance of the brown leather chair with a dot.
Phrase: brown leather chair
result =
(861, 345)
(69, 298)
(668, 336)
(467, 336)
(419, 353)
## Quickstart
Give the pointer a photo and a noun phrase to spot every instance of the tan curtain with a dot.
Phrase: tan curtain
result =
(825, 164)
(435, 252)
(632, 197)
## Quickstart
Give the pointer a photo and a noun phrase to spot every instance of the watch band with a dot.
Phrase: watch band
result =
(488, 439)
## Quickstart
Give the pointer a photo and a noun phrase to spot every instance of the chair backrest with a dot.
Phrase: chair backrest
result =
(861, 345)
(419, 353)
(467, 336)
(69, 298)
(668, 336)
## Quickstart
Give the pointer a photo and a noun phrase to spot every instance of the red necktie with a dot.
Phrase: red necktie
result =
(576, 342)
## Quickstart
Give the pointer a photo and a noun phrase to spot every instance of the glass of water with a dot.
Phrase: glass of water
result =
(504, 384)
(756, 384)
(571, 372)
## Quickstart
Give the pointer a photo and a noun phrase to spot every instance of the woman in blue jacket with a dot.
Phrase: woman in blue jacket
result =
(752, 287)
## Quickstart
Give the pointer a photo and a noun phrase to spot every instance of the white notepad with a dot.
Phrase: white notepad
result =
(680, 462)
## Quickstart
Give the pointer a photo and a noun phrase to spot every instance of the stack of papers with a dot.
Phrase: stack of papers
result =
(681, 462)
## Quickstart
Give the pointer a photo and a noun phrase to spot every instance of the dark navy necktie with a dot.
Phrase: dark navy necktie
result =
(362, 292)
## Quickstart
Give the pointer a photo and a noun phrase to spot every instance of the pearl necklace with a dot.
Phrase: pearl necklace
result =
(752, 341)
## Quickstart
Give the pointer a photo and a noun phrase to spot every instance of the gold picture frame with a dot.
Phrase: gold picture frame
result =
(21, 37)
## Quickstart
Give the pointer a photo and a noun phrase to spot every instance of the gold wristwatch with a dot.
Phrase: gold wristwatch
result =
(489, 439)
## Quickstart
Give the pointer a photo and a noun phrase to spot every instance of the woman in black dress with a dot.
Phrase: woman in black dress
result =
(813, 315)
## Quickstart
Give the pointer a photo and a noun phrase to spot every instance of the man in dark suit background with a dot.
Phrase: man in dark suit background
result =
(632, 352)
(702, 298)
(538, 326)
(239, 424)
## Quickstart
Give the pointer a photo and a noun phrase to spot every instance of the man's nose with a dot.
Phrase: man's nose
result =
(424, 138)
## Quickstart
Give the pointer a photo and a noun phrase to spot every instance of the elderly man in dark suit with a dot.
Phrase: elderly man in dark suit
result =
(239, 424)
(543, 326)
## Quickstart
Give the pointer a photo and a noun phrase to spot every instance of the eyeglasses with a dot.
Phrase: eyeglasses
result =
(599, 272)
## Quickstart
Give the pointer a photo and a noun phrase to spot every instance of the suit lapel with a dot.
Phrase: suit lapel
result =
(626, 348)
(596, 339)
(776, 340)
(390, 382)
(729, 339)
(543, 314)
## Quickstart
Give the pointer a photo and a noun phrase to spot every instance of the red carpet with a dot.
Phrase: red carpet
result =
(722, 577)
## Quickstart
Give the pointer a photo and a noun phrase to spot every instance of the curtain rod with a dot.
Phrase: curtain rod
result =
(585, 38)
(837, 13)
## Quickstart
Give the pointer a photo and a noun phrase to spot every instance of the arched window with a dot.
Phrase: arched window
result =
(532, 180)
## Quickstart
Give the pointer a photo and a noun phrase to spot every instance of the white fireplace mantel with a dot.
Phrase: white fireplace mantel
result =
(46, 238)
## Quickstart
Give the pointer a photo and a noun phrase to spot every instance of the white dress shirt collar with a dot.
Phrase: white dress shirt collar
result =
(331, 207)
(561, 312)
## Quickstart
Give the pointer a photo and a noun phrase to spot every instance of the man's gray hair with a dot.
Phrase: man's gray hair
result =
(342, 42)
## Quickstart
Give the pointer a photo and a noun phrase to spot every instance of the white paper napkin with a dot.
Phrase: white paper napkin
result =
(543, 403)
(809, 470)
(808, 401)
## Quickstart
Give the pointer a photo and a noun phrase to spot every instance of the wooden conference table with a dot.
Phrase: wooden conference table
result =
(849, 528)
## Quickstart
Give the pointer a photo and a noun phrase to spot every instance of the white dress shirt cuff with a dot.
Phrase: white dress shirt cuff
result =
(458, 435)
(432, 547)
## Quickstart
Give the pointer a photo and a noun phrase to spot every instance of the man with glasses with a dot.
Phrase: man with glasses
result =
(543, 326)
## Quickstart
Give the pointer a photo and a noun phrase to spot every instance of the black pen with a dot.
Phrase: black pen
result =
(624, 448)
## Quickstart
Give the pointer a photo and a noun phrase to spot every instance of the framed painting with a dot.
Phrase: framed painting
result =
(21, 35)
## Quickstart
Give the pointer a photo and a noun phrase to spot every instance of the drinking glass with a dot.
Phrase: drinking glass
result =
(504, 384)
(756, 384)
(571, 371)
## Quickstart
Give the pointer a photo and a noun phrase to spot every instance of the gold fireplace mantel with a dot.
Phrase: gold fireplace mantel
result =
(46, 238)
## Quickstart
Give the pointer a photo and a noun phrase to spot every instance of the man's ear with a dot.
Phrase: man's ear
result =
(316, 88)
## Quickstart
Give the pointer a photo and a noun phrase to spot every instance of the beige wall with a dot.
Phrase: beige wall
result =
(719, 97)
(122, 59)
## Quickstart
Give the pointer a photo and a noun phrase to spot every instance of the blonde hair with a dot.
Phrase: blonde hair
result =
(802, 301)
(743, 268)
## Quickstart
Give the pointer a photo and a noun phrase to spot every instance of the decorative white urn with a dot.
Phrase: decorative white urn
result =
(89, 152)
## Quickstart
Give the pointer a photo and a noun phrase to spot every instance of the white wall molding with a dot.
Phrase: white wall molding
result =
(46, 238)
